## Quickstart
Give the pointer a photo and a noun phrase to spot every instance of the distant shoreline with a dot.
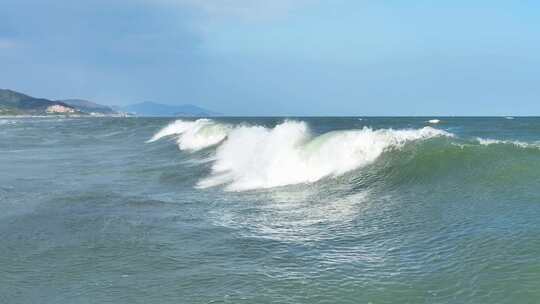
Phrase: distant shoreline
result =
(67, 116)
(126, 115)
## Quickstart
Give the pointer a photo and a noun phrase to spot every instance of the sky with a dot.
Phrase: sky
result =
(279, 57)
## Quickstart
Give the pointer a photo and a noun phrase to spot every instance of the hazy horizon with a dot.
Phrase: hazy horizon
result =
(284, 58)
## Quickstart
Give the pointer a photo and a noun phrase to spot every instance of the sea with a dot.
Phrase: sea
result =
(270, 210)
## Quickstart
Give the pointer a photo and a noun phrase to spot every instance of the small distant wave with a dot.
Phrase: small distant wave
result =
(488, 142)
(509, 117)
(7, 122)
(434, 121)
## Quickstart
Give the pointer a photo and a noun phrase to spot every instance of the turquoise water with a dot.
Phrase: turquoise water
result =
(270, 210)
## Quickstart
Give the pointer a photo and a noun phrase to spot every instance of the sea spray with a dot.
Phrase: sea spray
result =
(255, 157)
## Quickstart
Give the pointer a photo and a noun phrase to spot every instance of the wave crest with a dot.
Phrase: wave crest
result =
(256, 157)
(194, 135)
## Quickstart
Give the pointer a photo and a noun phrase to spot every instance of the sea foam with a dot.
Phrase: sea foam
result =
(489, 142)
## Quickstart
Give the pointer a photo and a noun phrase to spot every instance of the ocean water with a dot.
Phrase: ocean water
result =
(270, 210)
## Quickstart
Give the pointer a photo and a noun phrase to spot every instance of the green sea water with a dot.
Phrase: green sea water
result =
(270, 210)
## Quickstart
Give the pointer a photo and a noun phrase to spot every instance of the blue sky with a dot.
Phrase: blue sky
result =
(279, 57)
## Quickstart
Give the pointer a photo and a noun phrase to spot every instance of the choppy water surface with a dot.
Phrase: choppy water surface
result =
(270, 210)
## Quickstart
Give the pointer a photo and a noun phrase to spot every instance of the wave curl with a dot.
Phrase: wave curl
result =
(194, 135)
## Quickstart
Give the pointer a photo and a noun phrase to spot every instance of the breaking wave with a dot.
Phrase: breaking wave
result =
(254, 157)
(194, 135)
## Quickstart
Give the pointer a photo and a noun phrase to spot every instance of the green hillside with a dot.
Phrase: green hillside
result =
(15, 103)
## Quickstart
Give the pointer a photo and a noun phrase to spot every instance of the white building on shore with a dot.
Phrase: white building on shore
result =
(59, 109)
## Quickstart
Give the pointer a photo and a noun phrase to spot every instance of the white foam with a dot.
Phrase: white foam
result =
(7, 122)
(434, 121)
(488, 142)
(194, 135)
(257, 157)
(174, 128)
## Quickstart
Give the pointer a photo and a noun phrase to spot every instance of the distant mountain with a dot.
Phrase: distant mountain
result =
(88, 106)
(156, 109)
(15, 103)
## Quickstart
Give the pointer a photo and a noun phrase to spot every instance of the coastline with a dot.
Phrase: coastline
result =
(66, 116)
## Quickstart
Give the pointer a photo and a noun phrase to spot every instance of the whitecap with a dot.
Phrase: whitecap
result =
(254, 157)
(489, 141)
(257, 157)
(194, 135)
